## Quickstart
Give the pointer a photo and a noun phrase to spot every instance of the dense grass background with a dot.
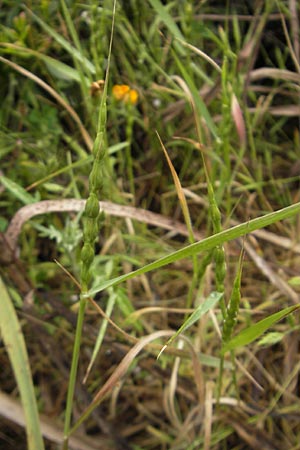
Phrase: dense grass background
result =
(214, 87)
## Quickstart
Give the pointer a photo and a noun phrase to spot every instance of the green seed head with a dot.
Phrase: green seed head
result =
(87, 254)
(95, 178)
(90, 230)
(92, 206)
(85, 274)
(102, 117)
(98, 144)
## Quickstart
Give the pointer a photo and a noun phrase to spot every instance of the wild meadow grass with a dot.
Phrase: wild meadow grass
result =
(133, 336)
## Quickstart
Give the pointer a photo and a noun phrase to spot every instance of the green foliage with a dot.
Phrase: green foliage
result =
(251, 333)
(208, 80)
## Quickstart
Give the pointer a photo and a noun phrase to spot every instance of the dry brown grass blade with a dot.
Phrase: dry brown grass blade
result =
(275, 74)
(240, 17)
(85, 135)
(170, 391)
(122, 368)
(280, 111)
(119, 372)
(210, 385)
(159, 309)
(27, 212)
(46, 206)
(67, 205)
(180, 193)
(294, 20)
(238, 118)
(169, 395)
(202, 54)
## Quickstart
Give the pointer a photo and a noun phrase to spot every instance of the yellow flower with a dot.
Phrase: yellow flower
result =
(133, 97)
(122, 92)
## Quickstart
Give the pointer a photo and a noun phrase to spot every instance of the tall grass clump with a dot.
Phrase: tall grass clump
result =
(182, 119)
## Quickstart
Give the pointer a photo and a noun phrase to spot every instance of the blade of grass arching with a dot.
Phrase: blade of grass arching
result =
(203, 55)
(209, 303)
(109, 308)
(15, 345)
(253, 332)
(89, 67)
(201, 109)
(204, 245)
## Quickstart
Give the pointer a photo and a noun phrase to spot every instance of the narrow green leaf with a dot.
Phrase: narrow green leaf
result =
(17, 191)
(202, 309)
(271, 338)
(166, 18)
(253, 332)
(204, 245)
(60, 70)
(15, 345)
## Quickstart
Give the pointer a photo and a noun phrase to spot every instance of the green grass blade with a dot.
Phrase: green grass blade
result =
(166, 18)
(202, 309)
(253, 332)
(233, 307)
(16, 349)
(204, 245)
(17, 191)
(71, 26)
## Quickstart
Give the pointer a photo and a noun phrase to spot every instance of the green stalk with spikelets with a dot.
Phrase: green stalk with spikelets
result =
(219, 253)
(230, 321)
(91, 226)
